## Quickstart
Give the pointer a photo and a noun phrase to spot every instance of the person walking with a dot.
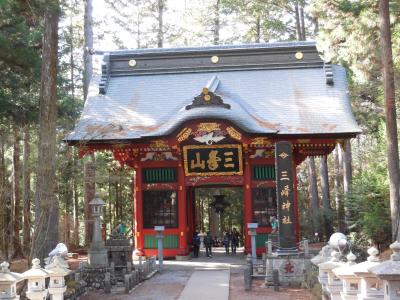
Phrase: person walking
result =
(208, 244)
(227, 241)
(196, 244)
(234, 241)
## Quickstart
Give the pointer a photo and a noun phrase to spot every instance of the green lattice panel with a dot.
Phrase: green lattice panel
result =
(170, 241)
(261, 239)
(265, 172)
(157, 175)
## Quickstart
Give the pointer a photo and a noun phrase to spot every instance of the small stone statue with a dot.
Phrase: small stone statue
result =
(60, 250)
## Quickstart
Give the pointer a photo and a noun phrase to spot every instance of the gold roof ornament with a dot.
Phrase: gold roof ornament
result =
(132, 63)
(299, 55)
(214, 59)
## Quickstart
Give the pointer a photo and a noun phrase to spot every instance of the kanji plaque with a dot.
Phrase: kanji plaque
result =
(213, 160)
(285, 199)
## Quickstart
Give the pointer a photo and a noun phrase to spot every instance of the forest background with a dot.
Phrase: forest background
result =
(45, 69)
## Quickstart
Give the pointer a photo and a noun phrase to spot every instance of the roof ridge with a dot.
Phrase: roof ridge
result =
(245, 46)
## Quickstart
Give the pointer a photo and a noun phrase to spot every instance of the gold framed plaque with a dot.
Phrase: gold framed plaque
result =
(213, 160)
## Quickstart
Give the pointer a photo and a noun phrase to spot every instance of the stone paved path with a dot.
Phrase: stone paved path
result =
(210, 285)
(188, 280)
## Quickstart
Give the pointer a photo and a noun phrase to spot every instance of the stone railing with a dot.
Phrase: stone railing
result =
(372, 279)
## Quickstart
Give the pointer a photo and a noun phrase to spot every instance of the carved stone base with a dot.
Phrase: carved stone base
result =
(292, 270)
(98, 257)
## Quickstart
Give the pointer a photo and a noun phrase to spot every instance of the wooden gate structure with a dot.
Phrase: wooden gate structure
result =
(241, 116)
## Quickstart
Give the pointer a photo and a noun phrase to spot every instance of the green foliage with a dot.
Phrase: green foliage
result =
(368, 204)
(20, 45)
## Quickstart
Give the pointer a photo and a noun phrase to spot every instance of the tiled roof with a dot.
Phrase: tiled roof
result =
(269, 92)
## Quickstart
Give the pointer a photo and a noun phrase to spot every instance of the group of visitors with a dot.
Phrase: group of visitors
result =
(231, 239)
(230, 242)
(208, 242)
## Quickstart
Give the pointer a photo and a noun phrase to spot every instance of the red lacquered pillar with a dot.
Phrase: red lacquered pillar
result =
(182, 210)
(138, 210)
(248, 205)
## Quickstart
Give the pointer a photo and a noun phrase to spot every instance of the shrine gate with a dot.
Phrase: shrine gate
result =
(223, 116)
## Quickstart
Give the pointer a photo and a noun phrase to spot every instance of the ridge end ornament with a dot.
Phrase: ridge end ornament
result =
(207, 98)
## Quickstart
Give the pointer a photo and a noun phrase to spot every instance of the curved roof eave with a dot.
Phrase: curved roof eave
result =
(244, 121)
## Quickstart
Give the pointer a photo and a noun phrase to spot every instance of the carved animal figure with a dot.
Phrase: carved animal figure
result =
(209, 138)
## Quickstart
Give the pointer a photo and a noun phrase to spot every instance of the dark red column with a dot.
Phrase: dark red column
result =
(248, 205)
(138, 210)
(182, 211)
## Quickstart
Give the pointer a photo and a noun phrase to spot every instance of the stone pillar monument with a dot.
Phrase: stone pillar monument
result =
(253, 233)
(97, 256)
(159, 237)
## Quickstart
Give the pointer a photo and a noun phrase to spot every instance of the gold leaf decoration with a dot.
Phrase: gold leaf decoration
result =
(208, 127)
(184, 134)
(234, 133)
(260, 141)
(159, 144)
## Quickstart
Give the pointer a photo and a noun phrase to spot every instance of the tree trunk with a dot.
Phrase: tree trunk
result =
(302, 25)
(297, 18)
(117, 204)
(87, 57)
(314, 201)
(138, 31)
(46, 203)
(216, 23)
(338, 188)
(68, 197)
(390, 113)
(27, 190)
(3, 212)
(316, 26)
(76, 199)
(89, 167)
(347, 177)
(160, 31)
(258, 29)
(109, 201)
(17, 218)
(90, 191)
(326, 198)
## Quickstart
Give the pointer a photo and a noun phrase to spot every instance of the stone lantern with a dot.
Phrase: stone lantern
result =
(8, 282)
(389, 272)
(323, 255)
(370, 286)
(351, 282)
(97, 256)
(57, 270)
(330, 283)
(36, 281)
